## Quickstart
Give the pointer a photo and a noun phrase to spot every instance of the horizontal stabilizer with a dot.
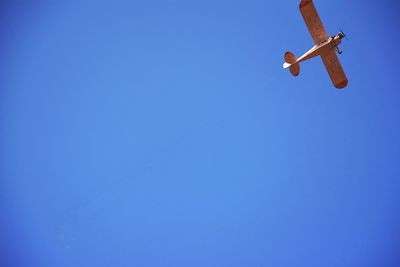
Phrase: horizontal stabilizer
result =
(295, 69)
(291, 62)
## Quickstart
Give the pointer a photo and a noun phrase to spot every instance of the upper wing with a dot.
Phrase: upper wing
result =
(335, 70)
(313, 21)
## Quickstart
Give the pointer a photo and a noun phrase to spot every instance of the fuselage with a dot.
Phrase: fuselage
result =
(322, 48)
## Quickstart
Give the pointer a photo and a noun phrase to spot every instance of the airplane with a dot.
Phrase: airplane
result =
(325, 46)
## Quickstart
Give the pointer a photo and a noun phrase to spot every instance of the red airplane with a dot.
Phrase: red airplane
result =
(325, 46)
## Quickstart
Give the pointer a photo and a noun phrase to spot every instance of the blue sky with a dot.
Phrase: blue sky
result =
(166, 133)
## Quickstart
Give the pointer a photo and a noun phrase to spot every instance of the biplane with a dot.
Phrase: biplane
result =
(325, 46)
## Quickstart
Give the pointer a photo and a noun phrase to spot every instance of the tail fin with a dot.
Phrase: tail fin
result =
(291, 62)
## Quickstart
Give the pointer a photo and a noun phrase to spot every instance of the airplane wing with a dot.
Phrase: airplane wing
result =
(335, 70)
(314, 23)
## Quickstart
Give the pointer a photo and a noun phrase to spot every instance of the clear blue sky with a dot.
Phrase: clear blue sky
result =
(166, 134)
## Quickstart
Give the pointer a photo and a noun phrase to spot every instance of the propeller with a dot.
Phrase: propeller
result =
(344, 35)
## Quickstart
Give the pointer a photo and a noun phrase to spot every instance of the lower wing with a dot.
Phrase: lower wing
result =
(335, 70)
